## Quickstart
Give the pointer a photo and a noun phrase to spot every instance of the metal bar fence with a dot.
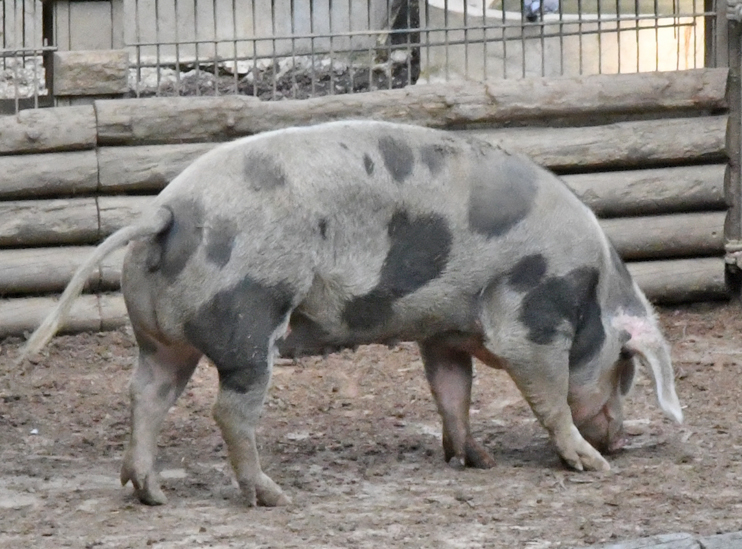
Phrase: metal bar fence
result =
(22, 54)
(314, 48)
(277, 49)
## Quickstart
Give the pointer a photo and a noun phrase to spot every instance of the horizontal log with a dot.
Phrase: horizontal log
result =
(74, 221)
(509, 102)
(48, 222)
(631, 192)
(86, 220)
(48, 270)
(47, 175)
(48, 130)
(681, 280)
(679, 235)
(146, 168)
(119, 211)
(651, 192)
(623, 145)
(90, 313)
(664, 236)
(670, 281)
(150, 168)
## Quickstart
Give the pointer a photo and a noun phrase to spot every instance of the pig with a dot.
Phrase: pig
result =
(309, 239)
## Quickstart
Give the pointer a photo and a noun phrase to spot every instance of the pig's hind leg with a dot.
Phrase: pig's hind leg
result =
(160, 376)
(237, 329)
(449, 373)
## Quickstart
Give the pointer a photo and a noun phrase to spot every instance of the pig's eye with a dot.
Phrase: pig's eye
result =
(626, 354)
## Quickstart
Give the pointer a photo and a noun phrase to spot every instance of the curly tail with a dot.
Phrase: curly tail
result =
(148, 226)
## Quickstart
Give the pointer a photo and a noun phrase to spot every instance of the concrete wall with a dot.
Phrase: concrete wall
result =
(625, 46)
(207, 21)
(80, 25)
(20, 24)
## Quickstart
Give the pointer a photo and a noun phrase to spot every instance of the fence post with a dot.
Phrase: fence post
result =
(733, 175)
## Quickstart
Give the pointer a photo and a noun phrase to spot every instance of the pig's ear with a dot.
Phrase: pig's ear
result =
(646, 343)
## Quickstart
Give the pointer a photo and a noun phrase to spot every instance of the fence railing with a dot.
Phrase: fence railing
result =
(278, 49)
(24, 55)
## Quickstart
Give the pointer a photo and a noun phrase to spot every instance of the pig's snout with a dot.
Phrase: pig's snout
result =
(617, 443)
(604, 431)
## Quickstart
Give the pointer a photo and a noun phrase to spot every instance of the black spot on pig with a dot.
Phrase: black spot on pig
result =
(263, 171)
(589, 333)
(571, 298)
(368, 164)
(234, 329)
(220, 237)
(527, 273)
(434, 157)
(398, 158)
(503, 189)
(181, 240)
(368, 311)
(418, 253)
(323, 228)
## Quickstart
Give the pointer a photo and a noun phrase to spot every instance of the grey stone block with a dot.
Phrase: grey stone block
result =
(732, 540)
(92, 72)
(663, 541)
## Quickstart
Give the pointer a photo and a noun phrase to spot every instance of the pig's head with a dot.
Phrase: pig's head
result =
(596, 395)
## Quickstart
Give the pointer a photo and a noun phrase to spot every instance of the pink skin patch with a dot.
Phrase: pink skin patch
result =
(598, 418)
(640, 328)
(617, 444)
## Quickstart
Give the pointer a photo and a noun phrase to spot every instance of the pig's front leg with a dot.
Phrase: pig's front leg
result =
(544, 383)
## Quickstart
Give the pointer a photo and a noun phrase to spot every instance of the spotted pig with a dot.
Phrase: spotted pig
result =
(305, 240)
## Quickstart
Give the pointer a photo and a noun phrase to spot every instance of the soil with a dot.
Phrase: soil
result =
(354, 438)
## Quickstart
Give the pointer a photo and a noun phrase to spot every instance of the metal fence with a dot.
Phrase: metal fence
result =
(277, 49)
(301, 49)
(23, 54)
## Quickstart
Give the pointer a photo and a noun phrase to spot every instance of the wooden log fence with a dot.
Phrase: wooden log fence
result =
(48, 270)
(49, 130)
(647, 152)
(665, 281)
(651, 192)
(86, 220)
(538, 101)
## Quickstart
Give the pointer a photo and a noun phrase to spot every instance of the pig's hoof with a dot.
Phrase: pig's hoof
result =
(456, 463)
(477, 456)
(151, 495)
(585, 464)
(146, 487)
(474, 456)
(596, 463)
(580, 455)
(264, 492)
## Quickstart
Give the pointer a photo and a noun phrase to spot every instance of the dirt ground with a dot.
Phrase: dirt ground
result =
(354, 439)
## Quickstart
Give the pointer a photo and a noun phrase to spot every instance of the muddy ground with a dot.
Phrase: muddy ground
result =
(354, 439)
